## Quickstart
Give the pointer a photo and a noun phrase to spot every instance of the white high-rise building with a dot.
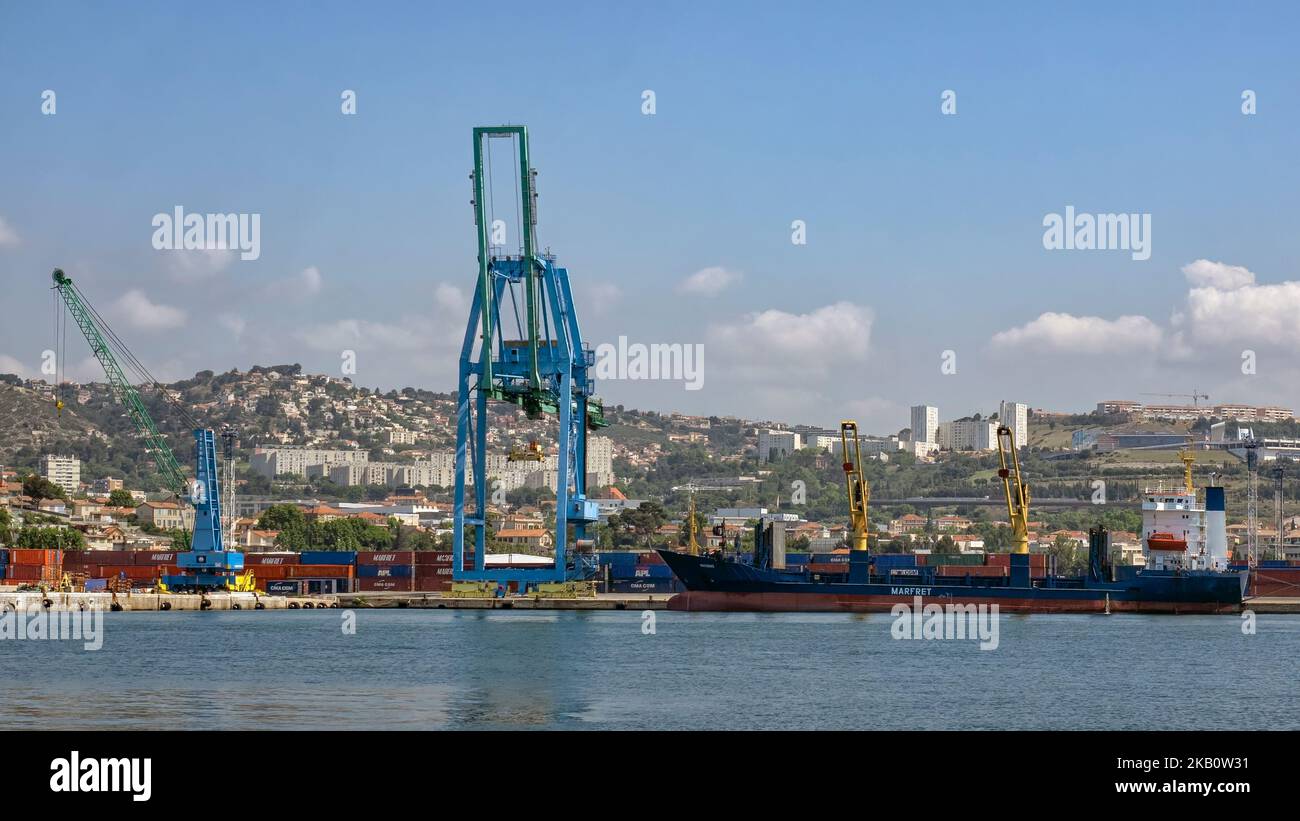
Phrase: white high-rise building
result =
(777, 443)
(1015, 415)
(925, 424)
(64, 471)
(968, 434)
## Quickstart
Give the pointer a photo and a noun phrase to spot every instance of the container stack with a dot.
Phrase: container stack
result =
(433, 571)
(392, 570)
(638, 572)
(28, 566)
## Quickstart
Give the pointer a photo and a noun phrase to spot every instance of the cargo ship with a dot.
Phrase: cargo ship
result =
(1184, 546)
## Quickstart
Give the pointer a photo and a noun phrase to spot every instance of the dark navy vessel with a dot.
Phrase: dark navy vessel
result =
(869, 583)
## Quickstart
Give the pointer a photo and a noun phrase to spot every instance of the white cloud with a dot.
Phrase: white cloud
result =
(1204, 273)
(1066, 333)
(709, 281)
(452, 300)
(600, 297)
(8, 236)
(9, 364)
(409, 334)
(305, 283)
(193, 265)
(809, 342)
(136, 309)
(1264, 314)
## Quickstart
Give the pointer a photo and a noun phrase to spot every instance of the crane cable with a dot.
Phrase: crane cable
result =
(141, 372)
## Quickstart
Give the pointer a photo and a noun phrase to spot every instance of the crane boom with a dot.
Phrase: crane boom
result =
(858, 489)
(95, 331)
(1017, 491)
(207, 565)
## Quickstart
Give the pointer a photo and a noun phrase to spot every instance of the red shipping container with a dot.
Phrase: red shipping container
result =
(130, 571)
(430, 557)
(270, 571)
(28, 556)
(313, 571)
(264, 559)
(649, 558)
(835, 568)
(145, 558)
(386, 557)
(980, 571)
(24, 572)
(440, 584)
(389, 583)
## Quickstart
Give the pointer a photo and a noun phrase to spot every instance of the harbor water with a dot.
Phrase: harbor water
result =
(440, 669)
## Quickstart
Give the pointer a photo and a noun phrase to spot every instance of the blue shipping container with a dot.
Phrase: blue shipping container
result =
(649, 571)
(644, 586)
(328, 557)
(797, 558)
(383, 571)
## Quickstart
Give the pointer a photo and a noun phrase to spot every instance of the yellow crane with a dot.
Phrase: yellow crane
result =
(692, 531)
(1016, 489)
(858, 489)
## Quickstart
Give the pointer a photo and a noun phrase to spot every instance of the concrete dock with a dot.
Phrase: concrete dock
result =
(26, 601)
(438, 601)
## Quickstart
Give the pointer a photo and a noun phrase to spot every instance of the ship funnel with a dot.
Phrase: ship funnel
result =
(1216, 532)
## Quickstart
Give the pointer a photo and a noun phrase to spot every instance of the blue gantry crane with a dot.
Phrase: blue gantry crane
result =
(523, 346)
(207, 565)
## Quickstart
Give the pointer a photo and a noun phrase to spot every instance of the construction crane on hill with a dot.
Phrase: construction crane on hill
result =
(1017, 491)
(1195, 396)
(859, 492)
(207, 565)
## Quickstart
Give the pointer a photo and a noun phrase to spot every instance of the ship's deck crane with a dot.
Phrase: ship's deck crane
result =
(856, 483)
(1017, 491)
(207, 565)
(539, 364)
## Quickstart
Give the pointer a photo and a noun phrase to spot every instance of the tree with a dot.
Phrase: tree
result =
(121, 498)
(51, 538)
(38, 487)
(6, 528)
(291, 523)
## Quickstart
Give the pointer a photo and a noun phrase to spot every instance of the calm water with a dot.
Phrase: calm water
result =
(488, 670)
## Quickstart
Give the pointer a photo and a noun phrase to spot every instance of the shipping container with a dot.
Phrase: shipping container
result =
(386, 557)
(886, 561)
(270, 559)
(96, 585)
(154, 557)
(979, 571)
(797, 558)
(28, 556)
(828, 558)
(384, 570)
(277, 587)
(643, 586)
(649, 558)
(314, 571)
(89, 557)
(650, 571)
(328, 557)
(828, 568)
(434, 584)
(433, 557)
(376, 584)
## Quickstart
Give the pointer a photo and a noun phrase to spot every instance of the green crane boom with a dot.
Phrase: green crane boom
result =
(98, 333)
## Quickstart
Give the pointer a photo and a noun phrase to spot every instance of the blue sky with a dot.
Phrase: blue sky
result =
(924, 231)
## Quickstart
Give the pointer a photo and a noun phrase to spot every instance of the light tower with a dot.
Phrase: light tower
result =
(535, 360)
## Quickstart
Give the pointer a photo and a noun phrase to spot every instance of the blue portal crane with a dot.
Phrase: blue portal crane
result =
(535, 360)
(207, 565)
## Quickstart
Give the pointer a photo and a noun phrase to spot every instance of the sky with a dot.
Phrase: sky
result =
(922, 147)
